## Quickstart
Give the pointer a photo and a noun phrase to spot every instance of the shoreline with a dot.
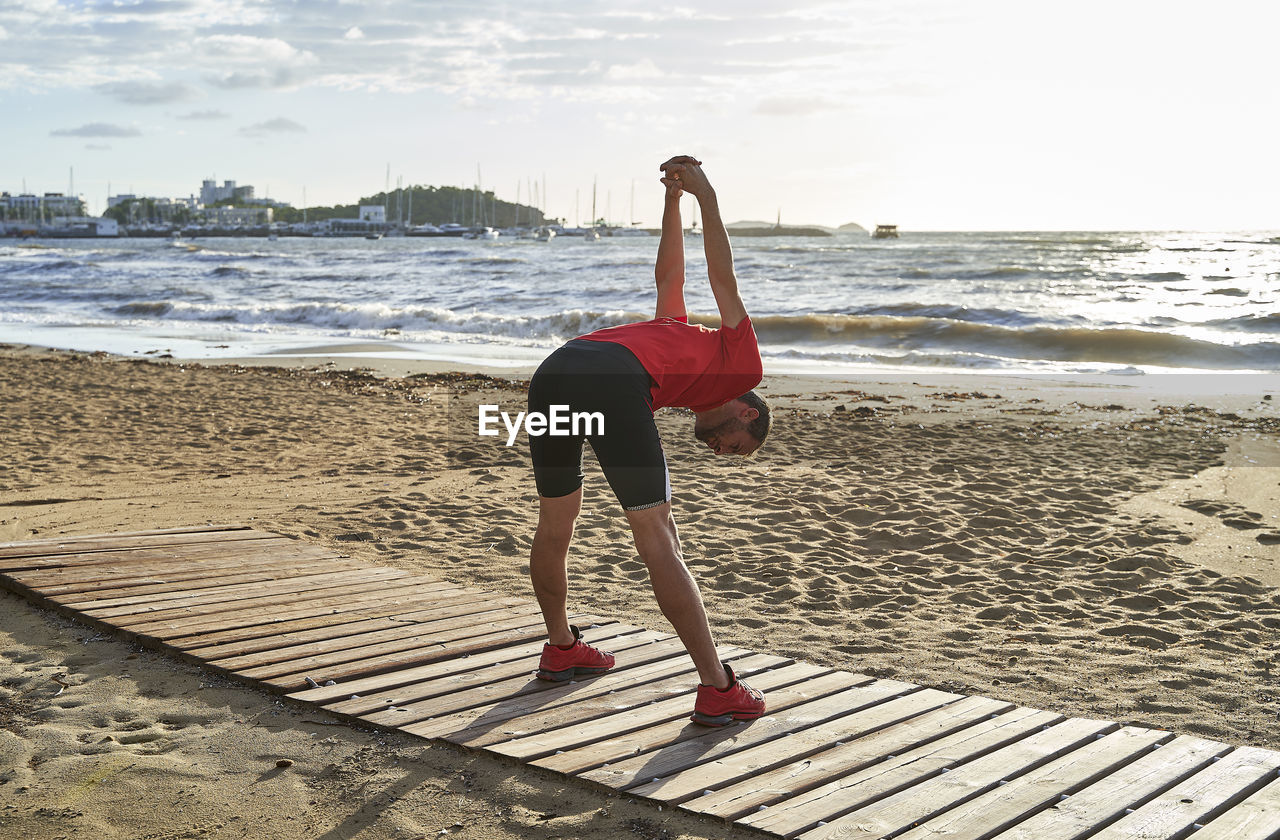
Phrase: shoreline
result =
(1233, 388)
(1106, 549)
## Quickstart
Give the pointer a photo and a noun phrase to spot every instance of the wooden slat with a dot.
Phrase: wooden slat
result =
(127, 577)
(421, 699)
(100, 568)
(731, 799)
(258, 615)
(377, 581)
(1256, 818)
(421, 636)
(898, 772)
(1199, 799)
(457, 625)
(11, 557)
(640, 729)
(247, 570)
(404, 710)
(299, 619)
(470, 726)
(119, 535)
(721, 757)
(301, 579)
(1105, 801)
(427, 673)
(1010, 803)
(462, 608)
(919, 802)
(418, 656)
(279, 589)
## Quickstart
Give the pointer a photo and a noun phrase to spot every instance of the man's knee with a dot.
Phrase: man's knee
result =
(655, 534)
(557, 516)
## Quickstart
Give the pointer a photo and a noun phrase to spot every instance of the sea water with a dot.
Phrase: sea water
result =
(1031, 302)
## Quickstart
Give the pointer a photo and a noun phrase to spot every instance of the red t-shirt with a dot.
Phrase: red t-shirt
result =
(692, 366)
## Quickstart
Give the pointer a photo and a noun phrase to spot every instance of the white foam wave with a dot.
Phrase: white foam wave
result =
(378, 319)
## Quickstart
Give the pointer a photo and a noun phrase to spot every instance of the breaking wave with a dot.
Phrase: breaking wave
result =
(378, 318)
(813, 334)
(1118, 345)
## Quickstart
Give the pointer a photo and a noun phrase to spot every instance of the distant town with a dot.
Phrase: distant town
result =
(231, 209)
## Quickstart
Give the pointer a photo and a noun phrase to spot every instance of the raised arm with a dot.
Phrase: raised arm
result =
(669, 269)
(687, 173)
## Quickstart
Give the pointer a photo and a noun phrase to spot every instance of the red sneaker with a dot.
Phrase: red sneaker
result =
(581, 660)
(720, 708)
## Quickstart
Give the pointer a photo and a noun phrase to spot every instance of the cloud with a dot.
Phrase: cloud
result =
(792, 106)
(277, 78)
(204, 115)
(147, 7)
(148, 93)
(250, 48)
(250, 61)
(276, 126)
(547, 50)
(97, 130)
(643, 70)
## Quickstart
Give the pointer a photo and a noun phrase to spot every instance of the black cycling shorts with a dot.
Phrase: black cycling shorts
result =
(603, 378)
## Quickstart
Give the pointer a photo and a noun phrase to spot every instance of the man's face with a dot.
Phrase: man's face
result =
(729, 437)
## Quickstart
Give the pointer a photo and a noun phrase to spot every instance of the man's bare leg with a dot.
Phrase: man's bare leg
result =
(656, 539)
(548, 562)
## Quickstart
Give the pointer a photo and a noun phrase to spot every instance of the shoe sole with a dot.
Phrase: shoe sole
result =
(725, 719)
(569, 673)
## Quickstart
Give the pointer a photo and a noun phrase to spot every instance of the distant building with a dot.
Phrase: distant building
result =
(79, 227)
(142, 208)
(372, 219)
(233, 217)
(31, 207)
(211, 193)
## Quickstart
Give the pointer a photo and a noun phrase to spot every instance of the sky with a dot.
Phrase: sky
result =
(929, 114)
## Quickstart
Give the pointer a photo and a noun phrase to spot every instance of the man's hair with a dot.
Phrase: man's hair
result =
(759, 427)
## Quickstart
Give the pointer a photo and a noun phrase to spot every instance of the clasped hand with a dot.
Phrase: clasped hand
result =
(683, 173)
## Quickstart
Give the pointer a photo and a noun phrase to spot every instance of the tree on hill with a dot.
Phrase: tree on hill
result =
(139, 210)
(419, 204)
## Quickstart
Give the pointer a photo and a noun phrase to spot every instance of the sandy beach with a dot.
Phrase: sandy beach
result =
(1101, 548)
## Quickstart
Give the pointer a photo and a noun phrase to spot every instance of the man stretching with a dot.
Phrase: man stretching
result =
(626, 373)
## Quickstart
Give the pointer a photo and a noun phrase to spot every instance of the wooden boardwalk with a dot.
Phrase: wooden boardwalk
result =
(839, 755)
